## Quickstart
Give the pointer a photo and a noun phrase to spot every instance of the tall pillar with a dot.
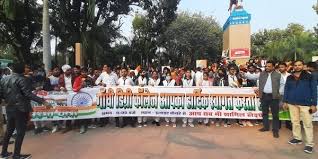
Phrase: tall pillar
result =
(78, 54)
(237, 36)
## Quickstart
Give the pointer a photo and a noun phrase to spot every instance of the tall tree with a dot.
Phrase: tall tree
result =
(291, 43)
(94, 23)
(21, 29)
(191, 37)
(149, 28)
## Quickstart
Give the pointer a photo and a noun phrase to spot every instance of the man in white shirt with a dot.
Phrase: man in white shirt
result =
(168, 82)
(188, 82)
(124, 80)
(107, 78)
(198, 77)
(233, 78)
(282, 67)
(206, 83)
(269, 86)
(142, 81)
(155, 81)
(284, 74)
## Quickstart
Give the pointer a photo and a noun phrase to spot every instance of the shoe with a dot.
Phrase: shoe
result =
(145, 125)
(139, 126)
(167, 124)
(275, 135)
(217, 124)
(256, 123)
(37, 131)
(92, 126)
(241, 125)
(249, 123)
(200, 122)
(191, 125)
(174, 125)
(26, 156)
(212, 122)
(184, 125)
(244, 123)
(295, 142)
(55, 129)
(83, 130)
(207, 124)
(263, 130)
(308, 149)
(157, 124)
(6, 155)
(225, 125)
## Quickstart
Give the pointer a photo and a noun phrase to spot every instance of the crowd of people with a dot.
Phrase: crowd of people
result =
(255, 73)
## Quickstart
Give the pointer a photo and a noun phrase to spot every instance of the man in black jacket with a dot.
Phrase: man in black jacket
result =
(17, 92)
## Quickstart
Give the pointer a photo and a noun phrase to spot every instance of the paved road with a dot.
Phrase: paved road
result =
(166, 143)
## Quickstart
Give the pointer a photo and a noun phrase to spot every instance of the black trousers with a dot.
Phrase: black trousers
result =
(16, 120)
(267, 102)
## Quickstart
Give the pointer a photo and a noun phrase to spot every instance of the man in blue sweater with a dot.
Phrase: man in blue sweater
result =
(300, 98)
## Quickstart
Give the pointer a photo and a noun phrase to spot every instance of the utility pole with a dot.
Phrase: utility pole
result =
(46, 37)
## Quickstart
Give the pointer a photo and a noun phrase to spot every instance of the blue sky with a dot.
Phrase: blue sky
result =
(266, 14)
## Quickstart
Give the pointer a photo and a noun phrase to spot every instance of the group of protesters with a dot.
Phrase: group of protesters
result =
(272, 80)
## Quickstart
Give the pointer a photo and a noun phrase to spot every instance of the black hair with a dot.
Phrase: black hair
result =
(251, 66)
(271, 62)
(84, 69)
(124, 68)
(301, 61)
(77, 66)
(312, 65)
(18, 68)
(282, 63)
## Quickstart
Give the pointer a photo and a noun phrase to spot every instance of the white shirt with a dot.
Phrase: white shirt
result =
(68, 83)
(125, 81)
(252, 76)
(283, 82)
(54, 80)
(206, 83)
(142, 81)
(153, 82)
(169, 83)
(187, 83)
(268, 85)
(198, 78)
(108, 79)
(232, 81)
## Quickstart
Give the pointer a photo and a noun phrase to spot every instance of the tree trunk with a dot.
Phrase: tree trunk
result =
(46, 37)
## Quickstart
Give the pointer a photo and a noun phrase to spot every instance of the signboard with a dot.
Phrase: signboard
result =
(240, 53)
(192, 102)
(202, 63)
